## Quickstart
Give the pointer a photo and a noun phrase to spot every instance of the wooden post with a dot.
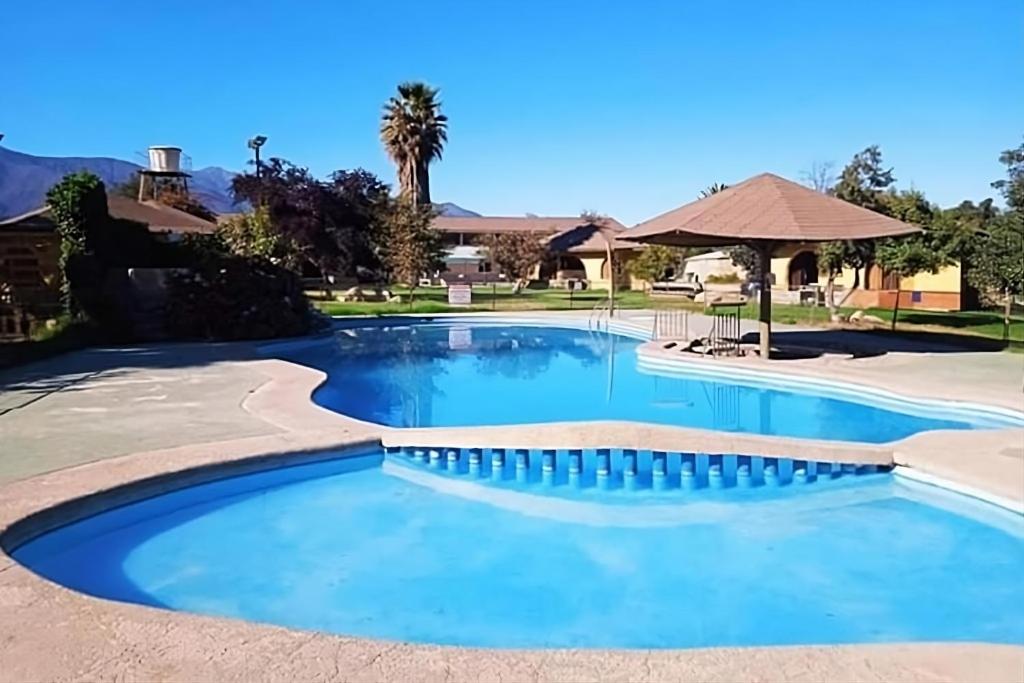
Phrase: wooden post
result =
(764, 327)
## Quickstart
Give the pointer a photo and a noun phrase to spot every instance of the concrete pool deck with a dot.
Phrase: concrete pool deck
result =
(85, 423)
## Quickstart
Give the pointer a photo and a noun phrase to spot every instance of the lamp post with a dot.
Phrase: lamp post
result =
(254, 144)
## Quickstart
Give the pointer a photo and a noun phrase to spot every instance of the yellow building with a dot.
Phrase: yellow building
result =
(796, 266)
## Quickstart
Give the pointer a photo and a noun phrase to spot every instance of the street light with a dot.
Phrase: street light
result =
(254, 144)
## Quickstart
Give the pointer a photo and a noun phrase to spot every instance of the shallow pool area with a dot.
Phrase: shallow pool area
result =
(369, 546)
(449, 374)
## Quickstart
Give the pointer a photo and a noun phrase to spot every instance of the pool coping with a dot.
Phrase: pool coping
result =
(51, 632)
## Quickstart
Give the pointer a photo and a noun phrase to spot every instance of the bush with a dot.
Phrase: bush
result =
(231, 298)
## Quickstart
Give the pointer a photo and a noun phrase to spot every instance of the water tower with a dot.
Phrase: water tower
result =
(164, 162)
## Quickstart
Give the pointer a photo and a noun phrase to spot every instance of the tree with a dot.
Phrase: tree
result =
(1012, 186)
(330, 224)
(999, 262)
(652, 262)
(252, 235)
(907, 256)
(78, 204)
(413, 246)
(364, 201)
(516, 254)
(864, 180)
(711, 189)
(820, 176)
(414, 132)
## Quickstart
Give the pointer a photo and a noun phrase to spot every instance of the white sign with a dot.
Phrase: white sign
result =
(460, 295)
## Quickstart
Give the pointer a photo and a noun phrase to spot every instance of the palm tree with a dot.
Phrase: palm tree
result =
(714, 188)
(414, 132)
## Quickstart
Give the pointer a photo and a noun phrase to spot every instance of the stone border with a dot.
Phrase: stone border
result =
(53, 633)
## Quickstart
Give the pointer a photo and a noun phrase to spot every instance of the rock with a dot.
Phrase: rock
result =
(872, 320)
(856, 316)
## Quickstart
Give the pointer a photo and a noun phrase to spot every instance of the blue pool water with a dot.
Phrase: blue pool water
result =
(459, 375)
(353, 547)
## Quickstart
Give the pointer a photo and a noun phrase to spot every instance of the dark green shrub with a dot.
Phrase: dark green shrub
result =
(230, 297)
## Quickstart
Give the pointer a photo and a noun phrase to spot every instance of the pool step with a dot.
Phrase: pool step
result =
(624, 468)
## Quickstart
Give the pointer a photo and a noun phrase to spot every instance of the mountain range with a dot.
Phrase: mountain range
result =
(25, 179)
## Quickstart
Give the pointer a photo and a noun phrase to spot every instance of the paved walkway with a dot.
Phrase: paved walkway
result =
(102, 403)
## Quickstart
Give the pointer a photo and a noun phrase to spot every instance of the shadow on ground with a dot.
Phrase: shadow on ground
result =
(870, 343)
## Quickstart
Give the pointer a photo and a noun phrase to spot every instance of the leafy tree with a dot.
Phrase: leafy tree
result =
(328, 223)
(252, 235)
(413, 246)
(1013, 186)
(414, 132)
(515, 254)
(364, 200)
(999, 262)
(78, 204)
(907, 256)
(652, 262)
(864, 181)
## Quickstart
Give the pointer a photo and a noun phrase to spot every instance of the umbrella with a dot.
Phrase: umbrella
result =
(764, 213)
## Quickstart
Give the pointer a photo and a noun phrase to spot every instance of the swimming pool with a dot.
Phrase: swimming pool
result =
(357, 547)
(460, 374)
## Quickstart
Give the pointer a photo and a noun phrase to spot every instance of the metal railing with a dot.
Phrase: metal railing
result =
(600, 311)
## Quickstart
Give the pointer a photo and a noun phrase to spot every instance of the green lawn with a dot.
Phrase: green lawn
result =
(428, 300)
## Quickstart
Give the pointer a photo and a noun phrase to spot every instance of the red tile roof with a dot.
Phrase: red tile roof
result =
(158, 217)
(766, 207)
(492, 224)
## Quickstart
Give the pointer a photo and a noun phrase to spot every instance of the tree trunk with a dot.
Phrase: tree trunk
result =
(611, 273)
(764, 326)
(412, 289)
(423, 186)
(830, 296)
(896, 308)
(1007, 309)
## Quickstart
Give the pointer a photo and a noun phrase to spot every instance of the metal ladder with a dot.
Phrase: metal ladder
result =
(599, 312)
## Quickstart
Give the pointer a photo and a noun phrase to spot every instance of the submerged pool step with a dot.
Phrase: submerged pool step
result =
(623, 468)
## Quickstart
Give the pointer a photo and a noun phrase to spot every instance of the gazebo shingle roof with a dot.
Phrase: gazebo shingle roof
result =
(766, 207)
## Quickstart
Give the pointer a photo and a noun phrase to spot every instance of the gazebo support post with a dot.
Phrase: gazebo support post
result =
(764, 326)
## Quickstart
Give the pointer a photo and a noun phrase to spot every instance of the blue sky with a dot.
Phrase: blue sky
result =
(627, 108)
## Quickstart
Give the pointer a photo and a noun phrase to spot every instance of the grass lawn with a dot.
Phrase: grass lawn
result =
(428, 300)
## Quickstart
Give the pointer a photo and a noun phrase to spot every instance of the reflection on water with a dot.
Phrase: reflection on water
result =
(457, 375)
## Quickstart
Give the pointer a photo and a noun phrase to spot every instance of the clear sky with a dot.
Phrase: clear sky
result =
(626, 108)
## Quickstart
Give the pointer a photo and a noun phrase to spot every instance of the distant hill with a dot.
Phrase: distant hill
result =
(24, 180)
(449, 209)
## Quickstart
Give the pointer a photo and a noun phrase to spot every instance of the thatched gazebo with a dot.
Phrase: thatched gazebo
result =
(764, 213)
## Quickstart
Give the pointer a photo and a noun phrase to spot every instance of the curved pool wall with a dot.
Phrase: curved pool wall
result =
(459, 372)
(350, 546)
(577, 471)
